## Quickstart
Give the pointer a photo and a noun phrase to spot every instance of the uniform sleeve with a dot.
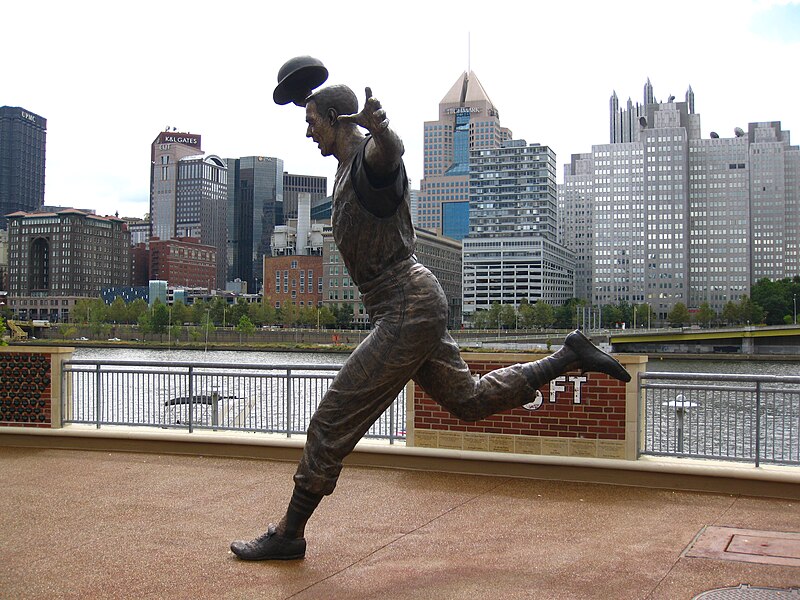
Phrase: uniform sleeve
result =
(379, 195)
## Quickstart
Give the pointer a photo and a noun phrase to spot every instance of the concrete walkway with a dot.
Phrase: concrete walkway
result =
(80, 524)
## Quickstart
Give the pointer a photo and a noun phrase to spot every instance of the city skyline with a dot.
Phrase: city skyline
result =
(546, 67)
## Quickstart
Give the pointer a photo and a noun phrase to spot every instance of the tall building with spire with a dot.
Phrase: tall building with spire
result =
(468, 120)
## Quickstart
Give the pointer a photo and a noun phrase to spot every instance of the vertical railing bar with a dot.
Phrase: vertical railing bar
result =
(191, 398)
(758, 423)
(288, 403)
(97, 395)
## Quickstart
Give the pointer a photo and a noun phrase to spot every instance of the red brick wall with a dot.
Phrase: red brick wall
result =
(601, 414)
(25, 389)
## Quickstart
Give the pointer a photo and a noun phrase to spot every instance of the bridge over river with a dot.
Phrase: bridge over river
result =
(750, 340)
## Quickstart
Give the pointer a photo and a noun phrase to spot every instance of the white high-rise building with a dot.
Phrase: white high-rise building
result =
(675, 217)
(512, 252)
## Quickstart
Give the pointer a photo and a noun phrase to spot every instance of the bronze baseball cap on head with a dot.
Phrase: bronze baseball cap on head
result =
(297, 78)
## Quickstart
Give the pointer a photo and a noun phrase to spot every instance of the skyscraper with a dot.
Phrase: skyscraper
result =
(293, 185)
(22, 160)
(165, 152)
(512, 252)
(675, 217)
(255, 199)
(201, 197)
(575, 202)
(468, 120)
(775, 201)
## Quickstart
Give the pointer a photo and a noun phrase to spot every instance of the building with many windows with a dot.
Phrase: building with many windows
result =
(201, 206)
(23, 137)
(56, 258)
(183, 262)
(678, 218)
(468, 120)
(3, 259)
(512, 252)
(294, 185)
(165, 152)
(254, 206)
(442, 256)
(575, 201)
(293, 280)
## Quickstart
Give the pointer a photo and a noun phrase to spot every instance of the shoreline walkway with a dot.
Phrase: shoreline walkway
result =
(98, 524)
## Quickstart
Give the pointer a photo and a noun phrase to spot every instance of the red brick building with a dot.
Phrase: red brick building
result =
(293, 280)
(140, 265)
(183, 262)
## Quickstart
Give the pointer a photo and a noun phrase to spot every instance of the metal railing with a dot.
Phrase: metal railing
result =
(206, 396)
(731, 417)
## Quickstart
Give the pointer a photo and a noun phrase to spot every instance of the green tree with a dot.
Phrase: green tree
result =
(159, 319)
(679, 315)
(3, 341)
(611, 315)
(237, 311)
(705, 314)
(567, 314)
(262, 313)
(175, 332)
(508, 316)
(544, 315)
(180, 313)
(326, 317)
(144, 324)
(480, 319)
(495, 316)
(730, 313)
(219, 311)
(644, 315)
(136, 309)
(80, 312)
(67, 331)
(98, 318)
(198, 311)
(245, 327)
(526, 315)
(206, 326)
(750, 312)
(343, 314)
(118, 311)
(625, 313)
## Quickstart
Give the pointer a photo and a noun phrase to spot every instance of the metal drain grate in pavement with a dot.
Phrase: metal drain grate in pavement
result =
(745, 592)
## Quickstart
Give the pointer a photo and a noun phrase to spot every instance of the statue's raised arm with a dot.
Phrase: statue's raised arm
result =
(384, 150)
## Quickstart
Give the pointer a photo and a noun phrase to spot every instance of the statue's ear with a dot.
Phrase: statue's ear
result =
(332, 115)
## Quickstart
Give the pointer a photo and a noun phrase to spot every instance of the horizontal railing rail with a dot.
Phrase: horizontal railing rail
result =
(754, 418)
(206, 396)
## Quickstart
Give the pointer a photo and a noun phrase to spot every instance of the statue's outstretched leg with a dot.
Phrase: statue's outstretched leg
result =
(577, 353)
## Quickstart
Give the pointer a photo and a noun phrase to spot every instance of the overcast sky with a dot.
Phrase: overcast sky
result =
(108, 76)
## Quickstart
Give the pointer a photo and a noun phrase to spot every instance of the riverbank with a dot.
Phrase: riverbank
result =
(348, 348)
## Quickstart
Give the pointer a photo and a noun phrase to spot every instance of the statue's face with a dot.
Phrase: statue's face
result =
(320, 129)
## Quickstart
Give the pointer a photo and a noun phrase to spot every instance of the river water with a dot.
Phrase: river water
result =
(745, 367)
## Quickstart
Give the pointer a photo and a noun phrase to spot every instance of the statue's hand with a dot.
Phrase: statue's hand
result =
(372, 117)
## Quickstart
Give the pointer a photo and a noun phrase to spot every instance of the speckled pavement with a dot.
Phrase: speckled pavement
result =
(81, 524)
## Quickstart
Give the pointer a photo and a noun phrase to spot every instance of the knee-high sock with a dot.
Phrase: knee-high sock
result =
(301, 507)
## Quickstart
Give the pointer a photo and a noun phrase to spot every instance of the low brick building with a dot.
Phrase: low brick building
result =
(293, 279)
(183, 262)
